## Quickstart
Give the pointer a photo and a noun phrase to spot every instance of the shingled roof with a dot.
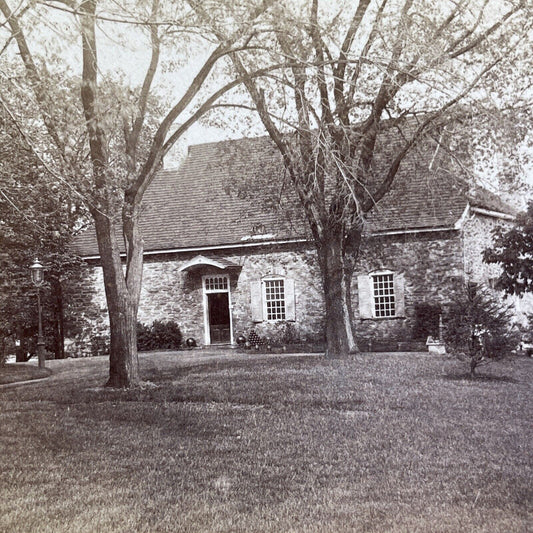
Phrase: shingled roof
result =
(203, 205)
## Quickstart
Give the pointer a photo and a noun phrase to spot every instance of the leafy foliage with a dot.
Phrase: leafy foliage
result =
(478, 326)
(107, 137)
(37, 218)
(160, 335)
(513, 250)
(426, 320)
(285, 333)
(99, 345)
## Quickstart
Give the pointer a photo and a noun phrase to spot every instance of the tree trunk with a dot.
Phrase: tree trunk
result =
(123, 358)
(122, 301)
(337, 273)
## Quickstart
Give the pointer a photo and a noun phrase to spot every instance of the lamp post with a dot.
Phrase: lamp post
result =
(37, 277)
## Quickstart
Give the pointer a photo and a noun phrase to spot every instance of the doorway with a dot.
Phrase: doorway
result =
(219, 322)
(217, 310)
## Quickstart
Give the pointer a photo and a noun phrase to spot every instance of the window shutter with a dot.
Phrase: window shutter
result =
(366, 299)
(399, 294)
(256, 301)
(290, 304)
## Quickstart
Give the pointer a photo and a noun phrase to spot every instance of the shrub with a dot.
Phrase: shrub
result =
(426, 321)
(285, 333)
(479, 327)
(144, 340)
(159, 336)
(99, 345)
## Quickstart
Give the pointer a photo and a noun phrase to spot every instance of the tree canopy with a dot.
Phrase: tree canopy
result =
(37, 219)
(85, 83)
(513, 251)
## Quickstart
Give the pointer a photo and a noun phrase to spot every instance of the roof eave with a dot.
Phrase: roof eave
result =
(201, 261)
(493, 214)
(245, 245)
(408, 231)
(163, 251)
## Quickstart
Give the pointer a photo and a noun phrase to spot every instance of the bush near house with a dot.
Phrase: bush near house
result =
(283, 337)
(426, 321)
(99, 345)
(479, 327)
(159, 336)
(285, 333)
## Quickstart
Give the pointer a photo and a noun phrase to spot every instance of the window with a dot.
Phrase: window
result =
(275, 299)
(383, 291)
(381, 294)
(272, 298)
(216, 284)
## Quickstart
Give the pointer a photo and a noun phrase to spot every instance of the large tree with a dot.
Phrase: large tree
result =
(105, 142)
(37, 218)
(366, 85)
(513, 251)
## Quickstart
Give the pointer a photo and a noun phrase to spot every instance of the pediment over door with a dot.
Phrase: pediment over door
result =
(201, 261)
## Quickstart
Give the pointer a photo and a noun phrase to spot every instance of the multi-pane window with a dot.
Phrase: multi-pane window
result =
(275, 299)
(383, 291)
(216, 283)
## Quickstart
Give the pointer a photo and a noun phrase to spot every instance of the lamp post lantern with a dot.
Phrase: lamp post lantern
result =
(37, 277)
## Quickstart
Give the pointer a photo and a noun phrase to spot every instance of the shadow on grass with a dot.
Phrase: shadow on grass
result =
(15, 373)
(247, 397)
(479, 378)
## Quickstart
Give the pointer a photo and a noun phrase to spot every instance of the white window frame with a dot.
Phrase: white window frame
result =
(264, 282)
(206, 291)
(391, 294)
(215, 290)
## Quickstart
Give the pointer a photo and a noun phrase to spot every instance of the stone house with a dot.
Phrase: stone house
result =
(221, 259)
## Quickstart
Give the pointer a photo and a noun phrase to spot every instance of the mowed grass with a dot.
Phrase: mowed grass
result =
(384, 443)
(13, 373)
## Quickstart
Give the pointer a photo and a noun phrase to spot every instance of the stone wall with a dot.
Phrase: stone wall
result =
(86, 309)
(431, 263)
(477, 236)
(432, 266)
(299, 265)
(168, 294)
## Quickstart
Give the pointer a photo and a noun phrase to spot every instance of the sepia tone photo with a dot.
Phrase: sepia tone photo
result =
(266, 266)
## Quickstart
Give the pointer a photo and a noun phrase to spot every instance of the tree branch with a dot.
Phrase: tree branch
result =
(362, 59)
(132, 139)
(325, 107)
(97, 144)
(393, 169)
(340, 70)
(36, 82)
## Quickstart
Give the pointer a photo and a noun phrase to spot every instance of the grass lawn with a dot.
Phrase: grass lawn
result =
(12, 373)
(384, 443)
